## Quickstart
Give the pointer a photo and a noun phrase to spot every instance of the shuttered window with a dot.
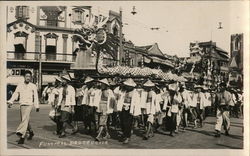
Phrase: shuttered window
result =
(78, 15)
(37, 42)
(22, 12)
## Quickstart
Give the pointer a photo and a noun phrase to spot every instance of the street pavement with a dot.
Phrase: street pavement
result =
(43, 127)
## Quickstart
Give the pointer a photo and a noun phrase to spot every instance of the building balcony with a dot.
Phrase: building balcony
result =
(45, 57)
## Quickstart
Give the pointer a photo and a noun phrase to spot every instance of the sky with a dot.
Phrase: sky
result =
(180, 22)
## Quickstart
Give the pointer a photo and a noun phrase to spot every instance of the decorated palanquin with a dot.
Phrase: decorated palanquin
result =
(94, 37)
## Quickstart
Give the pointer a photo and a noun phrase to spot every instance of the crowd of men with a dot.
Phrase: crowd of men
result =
(102, 104)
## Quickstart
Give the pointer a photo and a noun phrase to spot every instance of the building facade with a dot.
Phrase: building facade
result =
(236, 60)
(236, 49)
(43, 37)
(211, 62)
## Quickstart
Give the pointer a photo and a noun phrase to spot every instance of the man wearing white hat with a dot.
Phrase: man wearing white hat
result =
(175, 102)
(207, 101)
(239, 103)
(200, 104)
(186, 104)
(105, 98)
(151, 108)
(88, 111)
(47, 92)
(57, 91)
(193, 106)
(127, 100)
(67, 103)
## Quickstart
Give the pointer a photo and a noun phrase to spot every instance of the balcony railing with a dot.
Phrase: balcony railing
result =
(45, 57)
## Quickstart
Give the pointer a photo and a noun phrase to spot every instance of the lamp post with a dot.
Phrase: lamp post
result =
(211, 42)
(120, 39)
(40, 68)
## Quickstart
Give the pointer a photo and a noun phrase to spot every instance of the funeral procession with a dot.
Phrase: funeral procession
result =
(124, 77)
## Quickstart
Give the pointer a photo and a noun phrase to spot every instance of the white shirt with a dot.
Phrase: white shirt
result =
(85, 95)
(27, 94)
(193, 99)
(70, 96)
(186, 97)
(177, 99)
(207, 99)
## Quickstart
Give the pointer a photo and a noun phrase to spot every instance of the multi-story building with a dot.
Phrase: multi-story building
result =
(207, 62)
(236, 49)
(149, 56)
(217, 57)
(44, 36)
(236, 60)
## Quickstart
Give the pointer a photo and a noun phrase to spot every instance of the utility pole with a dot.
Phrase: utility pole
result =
(119, 54)
(40, 68)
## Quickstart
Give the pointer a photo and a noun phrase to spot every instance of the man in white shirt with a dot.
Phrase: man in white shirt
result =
(47, 92)
(67, 103)
(193, 106)
(223, 99)
(28, 97)
(186, 100)
(200, 104)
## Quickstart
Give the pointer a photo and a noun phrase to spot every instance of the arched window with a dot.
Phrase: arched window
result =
(115, 31)
(51, 46)
(22, 12)
(78, 15)
(20, 44)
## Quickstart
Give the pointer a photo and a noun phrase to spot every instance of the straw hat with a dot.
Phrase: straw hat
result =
(104, 81)
(149, 84)
(173, 87)
(239, 91)
(111, 82)
(205, 88)
(58, 79)
(88, 79)
(198, 86)
(66, 77)
(129, 82)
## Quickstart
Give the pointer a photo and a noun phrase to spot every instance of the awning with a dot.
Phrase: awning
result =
(14, 80)
(19, 40)
(51, 41)
(161, 61)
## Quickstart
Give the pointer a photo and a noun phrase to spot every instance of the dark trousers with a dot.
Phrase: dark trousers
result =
(200, 114)
(66, 119)
(208, 111)
(126, 122)
(173, 122)
(59, 124)
(89, 116)
(237, 110)
(185, 114)
(115, 119)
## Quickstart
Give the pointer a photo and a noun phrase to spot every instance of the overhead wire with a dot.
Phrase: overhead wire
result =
(130, 21)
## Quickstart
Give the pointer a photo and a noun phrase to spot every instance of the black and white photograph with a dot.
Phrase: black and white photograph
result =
(124, 75)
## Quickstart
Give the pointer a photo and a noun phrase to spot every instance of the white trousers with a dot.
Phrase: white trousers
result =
(25, 117)
(222, 118)
(178, 117)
